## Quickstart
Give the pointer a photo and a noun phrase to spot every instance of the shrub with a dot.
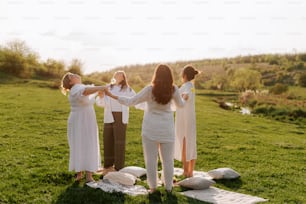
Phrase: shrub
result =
(302, 80)
(297, 66)
(56, 84)
(303, 57)
(279, 89)
(298, 113)
(265, 110)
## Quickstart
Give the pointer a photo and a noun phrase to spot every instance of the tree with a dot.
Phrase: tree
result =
(279, 89)
(54, 68)
(76, 67)
(302, 80)
(18, 59)
(243, 79)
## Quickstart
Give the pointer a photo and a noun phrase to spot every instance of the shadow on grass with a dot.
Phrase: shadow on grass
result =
(80, 193)
(233, 184)
(194, 201)
(162, 197)
(219, 94)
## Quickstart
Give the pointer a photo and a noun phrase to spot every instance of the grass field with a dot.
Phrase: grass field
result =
(269, 155)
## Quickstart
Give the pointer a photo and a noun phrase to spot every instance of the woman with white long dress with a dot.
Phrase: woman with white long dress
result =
(82, 128)
(185, 124)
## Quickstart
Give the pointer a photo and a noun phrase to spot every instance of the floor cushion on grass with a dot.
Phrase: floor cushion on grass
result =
(120, 177)
(223, 173)
(134, 170)
(196, 183)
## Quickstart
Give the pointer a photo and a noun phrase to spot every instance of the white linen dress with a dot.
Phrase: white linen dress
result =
(83, 135)
(185, 125)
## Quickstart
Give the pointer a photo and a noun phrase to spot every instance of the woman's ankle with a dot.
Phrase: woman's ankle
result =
(152, 190)
(89, 176)
(78, 176)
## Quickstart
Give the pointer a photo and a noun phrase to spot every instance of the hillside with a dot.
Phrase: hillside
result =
(285, 69)
(269, 155)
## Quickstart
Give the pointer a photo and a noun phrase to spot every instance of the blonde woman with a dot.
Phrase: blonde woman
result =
(116, 118)
(82, 128)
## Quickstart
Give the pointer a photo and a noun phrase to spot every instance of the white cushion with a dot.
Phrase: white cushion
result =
(134, 170)
(196, 183)
(121, 178)
(223, 173)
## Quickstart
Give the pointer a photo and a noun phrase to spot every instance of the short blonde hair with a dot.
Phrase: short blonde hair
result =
(65, 83)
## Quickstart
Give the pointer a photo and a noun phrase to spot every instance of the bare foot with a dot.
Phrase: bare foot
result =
(152, 190)
(78, 177)
(89, 177)
(185, 174)
(107, 170)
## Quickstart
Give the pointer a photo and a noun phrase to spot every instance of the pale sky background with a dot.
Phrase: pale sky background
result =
(108, 33)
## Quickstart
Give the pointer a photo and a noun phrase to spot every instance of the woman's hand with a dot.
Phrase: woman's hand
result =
(108, 93)
(185, 97)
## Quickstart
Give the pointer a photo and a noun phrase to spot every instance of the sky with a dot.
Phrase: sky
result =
(105, 34)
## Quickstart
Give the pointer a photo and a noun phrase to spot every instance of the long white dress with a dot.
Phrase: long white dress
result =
(185, 125)
(83, 135)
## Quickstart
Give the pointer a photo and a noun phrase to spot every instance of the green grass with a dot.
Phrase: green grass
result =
(269, 155)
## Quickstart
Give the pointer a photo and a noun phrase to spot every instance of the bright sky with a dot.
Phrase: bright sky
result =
(109, 33)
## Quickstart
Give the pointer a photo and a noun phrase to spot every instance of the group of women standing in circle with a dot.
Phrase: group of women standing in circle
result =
(160, 133)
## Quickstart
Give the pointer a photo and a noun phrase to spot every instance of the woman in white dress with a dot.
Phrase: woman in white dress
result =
(82, 128)
(185, 124)
(116, 118)
(158, 123)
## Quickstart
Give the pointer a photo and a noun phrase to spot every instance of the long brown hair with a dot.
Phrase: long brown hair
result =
(162, 83)
(124, 83)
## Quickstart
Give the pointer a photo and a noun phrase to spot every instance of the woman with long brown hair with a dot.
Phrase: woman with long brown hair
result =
(158, 123)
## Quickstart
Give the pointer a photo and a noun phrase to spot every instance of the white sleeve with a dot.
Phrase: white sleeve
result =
(188, 89)
(77, 90)
(142, 96)
(131, 92)
(178, 100)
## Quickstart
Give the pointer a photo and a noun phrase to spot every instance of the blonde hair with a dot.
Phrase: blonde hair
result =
(65, 83)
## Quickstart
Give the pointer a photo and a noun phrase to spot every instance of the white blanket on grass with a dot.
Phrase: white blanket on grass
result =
(111, 187)
(211, 195)
(219, 196)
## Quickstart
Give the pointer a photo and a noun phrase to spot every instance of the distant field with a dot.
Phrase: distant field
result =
(269, 155)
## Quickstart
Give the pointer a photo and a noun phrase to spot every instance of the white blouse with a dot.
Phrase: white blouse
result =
(158, 120)
(110, 105)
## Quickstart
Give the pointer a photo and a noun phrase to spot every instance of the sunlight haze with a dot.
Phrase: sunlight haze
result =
(104, 34)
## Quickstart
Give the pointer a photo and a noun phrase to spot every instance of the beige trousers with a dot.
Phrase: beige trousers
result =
(114, 136)
(166, 152)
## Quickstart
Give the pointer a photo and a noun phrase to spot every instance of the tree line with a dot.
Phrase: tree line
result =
(238, 73)
(19, 60)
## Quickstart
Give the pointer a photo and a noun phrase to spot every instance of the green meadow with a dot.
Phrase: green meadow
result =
(270, 155)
